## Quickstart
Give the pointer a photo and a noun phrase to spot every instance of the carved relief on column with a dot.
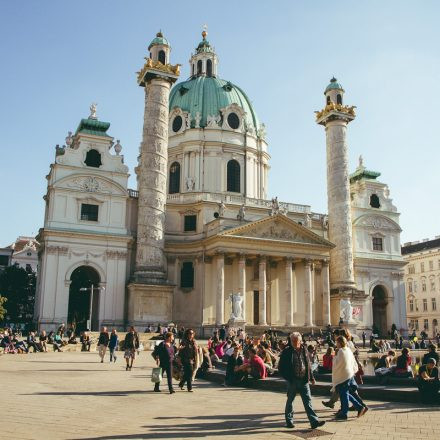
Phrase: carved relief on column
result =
(289, 292)
(242, 281)
(220, 294)
(152, 179)
(308, 292)
(325, 292)
(262, 289)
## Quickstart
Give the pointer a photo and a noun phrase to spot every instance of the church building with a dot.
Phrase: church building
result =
(198, 243)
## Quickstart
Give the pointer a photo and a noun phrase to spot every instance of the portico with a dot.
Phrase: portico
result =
(279, 266)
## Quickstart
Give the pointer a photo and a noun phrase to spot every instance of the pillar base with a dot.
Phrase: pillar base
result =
(149, 304)
(357, 299)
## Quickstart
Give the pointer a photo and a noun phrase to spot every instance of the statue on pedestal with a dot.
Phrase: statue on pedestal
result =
(237, 307)
(346, 311)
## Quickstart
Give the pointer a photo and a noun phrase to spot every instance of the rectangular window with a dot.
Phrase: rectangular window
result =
(422, 267)
(434, 304)
(4, 260)
(187, 275)
(425, 324)
(377, 244)
(411, 305)
(425, 305)
(411, 269)
(431, 265)
(89, 212)
(190, 223)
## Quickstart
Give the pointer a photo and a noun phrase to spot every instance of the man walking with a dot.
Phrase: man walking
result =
(103, 341)
(294, 367)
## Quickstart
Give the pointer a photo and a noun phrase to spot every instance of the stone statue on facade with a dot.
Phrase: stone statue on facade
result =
(308, 221)
(346, 311)
(93, 111)
(188, 121)
(190, 183)
(198, 118)
(275, 208)
(324, 221)
(241, 213)
(237, 306)
(221, 209)
(262, 131)
(69, 139)
(118, 147)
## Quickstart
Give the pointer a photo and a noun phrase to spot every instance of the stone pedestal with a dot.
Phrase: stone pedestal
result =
(149, 304)
(236, 324)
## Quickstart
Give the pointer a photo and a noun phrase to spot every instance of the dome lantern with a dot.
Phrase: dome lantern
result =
(204, 61)
(334, 92)
(160, 49)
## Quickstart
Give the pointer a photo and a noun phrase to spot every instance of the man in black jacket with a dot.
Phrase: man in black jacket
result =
(163, 354)
(294, 367)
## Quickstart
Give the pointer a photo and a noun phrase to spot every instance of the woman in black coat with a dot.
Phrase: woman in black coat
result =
(164, 357)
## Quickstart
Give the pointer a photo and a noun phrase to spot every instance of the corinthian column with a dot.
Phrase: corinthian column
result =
(242, 281)
(152, 181)
(289, 293)
(325, 293)
(262, 288)
(308, 293)
(220, 294)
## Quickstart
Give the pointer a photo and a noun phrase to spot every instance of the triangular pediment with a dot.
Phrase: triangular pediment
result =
(278, 228)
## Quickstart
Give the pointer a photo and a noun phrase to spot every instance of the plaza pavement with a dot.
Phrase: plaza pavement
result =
(73, 396)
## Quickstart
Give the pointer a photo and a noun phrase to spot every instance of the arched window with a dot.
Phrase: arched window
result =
(339, 98)
(174, 178)
(93, 158)
(328, 100)
(161, 56)
(199, 67)
(209, 67)
(374, 201)
(233, 178)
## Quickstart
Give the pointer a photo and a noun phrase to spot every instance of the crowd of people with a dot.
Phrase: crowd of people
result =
(247, 359)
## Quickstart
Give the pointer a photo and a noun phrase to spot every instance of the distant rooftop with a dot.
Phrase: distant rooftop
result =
(419, 246)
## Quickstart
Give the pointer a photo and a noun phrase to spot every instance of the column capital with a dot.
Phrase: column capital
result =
(242, 257)
(325, 262)
(220, 253)
(308, 262)
(262, 259)
(288, 260)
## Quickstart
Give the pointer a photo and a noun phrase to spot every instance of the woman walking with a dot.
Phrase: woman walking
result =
(188, 356)
(343, 372)
(113, 345)
(163, 354)
(131, 344)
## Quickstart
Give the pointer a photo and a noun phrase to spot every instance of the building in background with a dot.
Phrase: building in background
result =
(5, 257)
(422, 281)
(23, 252)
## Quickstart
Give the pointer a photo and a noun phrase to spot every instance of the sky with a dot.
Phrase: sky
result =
(57, 57)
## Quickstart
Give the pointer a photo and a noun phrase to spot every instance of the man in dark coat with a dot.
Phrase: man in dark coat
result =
(294, 367)
(163, 354)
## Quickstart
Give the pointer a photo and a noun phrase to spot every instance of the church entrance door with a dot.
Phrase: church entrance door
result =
(380, 304)
(256, 307)
(82, 280)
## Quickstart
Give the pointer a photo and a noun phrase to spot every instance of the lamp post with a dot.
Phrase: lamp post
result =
(91, 289)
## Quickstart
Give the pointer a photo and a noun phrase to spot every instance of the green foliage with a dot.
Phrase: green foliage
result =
(2, 309)
(18, 286)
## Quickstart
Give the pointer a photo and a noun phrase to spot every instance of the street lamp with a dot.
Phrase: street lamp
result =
(91, 289)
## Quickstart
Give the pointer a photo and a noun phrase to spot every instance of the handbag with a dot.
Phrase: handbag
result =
(156, 375)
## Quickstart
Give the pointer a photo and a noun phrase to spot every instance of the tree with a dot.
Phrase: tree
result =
(18, 286)
(2, 309)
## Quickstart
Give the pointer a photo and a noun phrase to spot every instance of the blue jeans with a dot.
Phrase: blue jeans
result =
(345, 395)
(301, 387)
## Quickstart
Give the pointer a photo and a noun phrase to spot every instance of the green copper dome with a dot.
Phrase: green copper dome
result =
(208, 95)
(334, 85)
(160, 39)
